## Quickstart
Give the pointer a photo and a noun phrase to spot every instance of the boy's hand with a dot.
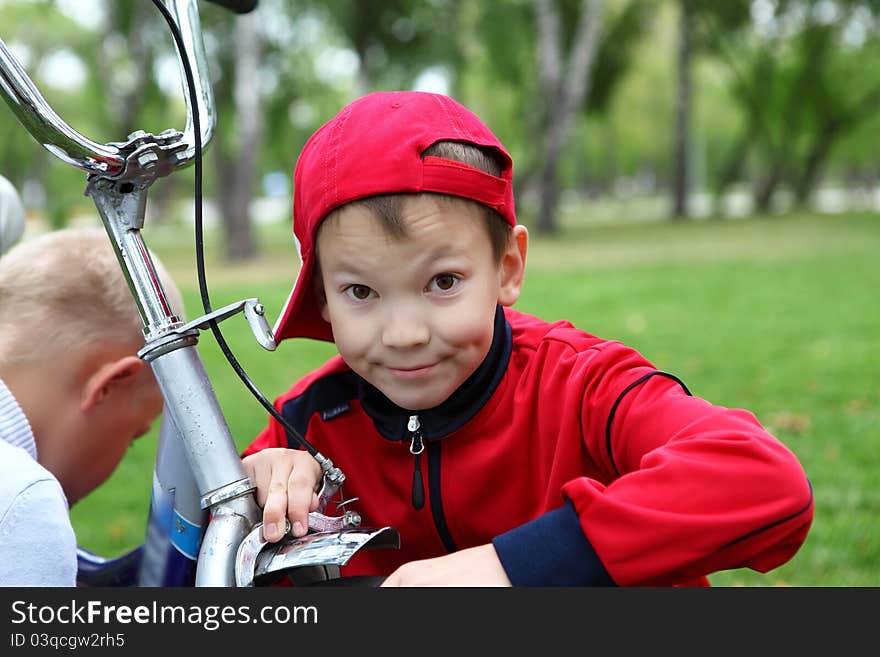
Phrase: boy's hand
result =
(286, 480)
(476, 566)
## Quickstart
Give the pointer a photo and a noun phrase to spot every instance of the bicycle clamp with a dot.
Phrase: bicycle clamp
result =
(148, 156)
(253, 310)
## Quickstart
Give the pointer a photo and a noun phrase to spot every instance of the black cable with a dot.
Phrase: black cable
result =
(199, 240)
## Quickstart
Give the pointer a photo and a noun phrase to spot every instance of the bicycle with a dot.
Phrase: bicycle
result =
(204, 524)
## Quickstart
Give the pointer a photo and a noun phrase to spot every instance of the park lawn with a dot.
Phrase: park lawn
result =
(776, 315)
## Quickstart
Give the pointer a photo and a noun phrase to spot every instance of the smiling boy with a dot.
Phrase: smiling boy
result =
(504, 449)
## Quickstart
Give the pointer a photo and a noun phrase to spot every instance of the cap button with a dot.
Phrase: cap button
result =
(395, 104)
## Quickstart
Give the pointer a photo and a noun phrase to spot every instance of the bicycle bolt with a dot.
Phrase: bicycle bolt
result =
(259, 309)
(148, 160)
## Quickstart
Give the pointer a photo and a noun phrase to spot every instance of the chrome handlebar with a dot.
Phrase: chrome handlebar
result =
(111, 160)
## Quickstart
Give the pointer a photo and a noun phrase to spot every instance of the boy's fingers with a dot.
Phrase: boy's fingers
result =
(258, 476)
(275, 506)
(301, 497)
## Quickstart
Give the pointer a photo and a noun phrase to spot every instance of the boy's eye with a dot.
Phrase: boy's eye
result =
(444, 282)
(359, 292)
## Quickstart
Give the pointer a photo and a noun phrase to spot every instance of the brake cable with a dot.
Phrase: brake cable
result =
(200, 255)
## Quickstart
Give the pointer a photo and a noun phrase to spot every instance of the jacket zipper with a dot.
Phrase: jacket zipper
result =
(416, 447)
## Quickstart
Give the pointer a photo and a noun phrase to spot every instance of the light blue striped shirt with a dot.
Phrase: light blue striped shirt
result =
(37, 541)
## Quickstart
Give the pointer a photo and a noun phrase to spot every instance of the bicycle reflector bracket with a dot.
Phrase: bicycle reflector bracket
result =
(253, 311)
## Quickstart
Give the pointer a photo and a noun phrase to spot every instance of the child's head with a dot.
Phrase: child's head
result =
(405, 223)
(69, 336)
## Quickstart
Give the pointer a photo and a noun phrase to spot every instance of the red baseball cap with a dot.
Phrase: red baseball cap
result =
(374, 146)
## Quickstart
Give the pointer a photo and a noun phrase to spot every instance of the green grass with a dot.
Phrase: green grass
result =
(776, 315)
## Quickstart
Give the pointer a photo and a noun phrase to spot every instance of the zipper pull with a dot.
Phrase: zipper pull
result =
(416, 447)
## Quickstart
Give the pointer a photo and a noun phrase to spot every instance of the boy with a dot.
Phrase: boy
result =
(505, 449)
(73, 393)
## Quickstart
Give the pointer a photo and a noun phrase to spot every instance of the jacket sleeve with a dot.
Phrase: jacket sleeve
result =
(37, 541)
(693, 488)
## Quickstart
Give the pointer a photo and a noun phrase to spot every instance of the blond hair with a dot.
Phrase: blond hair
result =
(65, 289)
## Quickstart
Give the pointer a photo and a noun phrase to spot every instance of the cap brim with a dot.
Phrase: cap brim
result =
(301, 315)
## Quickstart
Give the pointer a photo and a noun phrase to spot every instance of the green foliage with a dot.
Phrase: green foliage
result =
(624, 31)
(506, 32)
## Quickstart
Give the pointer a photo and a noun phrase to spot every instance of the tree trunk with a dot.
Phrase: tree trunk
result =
(236, 189)
(682, 168)
(765, 188)
(806, 182)
(564, 93)
(126, 21)
(833, 127)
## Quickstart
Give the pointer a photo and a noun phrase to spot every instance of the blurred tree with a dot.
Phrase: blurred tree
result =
(537, 114)
(802, 79)
(123, 66)
(395, 39)
(683, 100)
(564, 81)
(236, 144)
(694, 39)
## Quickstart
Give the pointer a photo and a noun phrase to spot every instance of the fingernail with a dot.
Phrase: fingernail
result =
(298, 529)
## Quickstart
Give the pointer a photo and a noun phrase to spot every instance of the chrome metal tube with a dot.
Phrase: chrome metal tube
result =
(197, 415)
(123, 217)
(47, 127)
(186, 15)
(230, 524)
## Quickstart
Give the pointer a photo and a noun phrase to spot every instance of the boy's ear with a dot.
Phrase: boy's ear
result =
(109, 377)
(513, 266)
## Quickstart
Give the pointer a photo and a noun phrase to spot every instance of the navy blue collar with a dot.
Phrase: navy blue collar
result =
(391, 420)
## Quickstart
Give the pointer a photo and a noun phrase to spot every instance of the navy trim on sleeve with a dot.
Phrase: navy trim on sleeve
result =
(620, 397)
(551, 550)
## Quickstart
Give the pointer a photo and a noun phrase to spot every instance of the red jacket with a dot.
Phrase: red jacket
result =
(578, 459)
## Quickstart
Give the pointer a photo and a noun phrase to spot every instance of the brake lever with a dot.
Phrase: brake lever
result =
(322, 523)
(318, 520)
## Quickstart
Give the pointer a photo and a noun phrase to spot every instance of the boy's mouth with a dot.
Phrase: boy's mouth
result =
(411, 372)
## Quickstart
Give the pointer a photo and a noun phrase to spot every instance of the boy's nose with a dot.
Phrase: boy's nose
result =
(404, 329)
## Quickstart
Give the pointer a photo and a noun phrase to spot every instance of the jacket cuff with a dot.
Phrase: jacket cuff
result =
(551, 550)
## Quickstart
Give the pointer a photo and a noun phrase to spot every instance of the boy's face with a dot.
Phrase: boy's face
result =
(414, 314)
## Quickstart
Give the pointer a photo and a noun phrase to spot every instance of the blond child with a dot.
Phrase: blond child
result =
(73, 392)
